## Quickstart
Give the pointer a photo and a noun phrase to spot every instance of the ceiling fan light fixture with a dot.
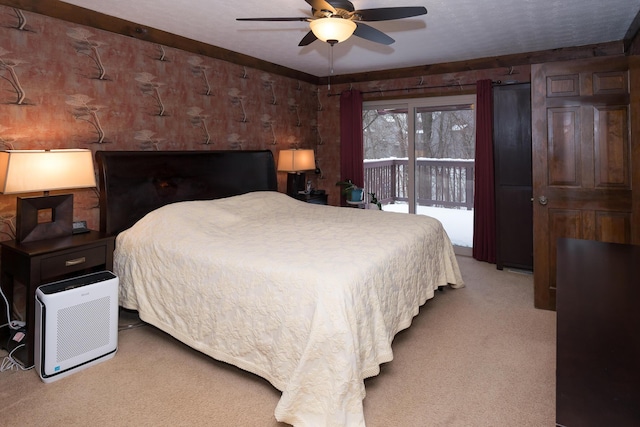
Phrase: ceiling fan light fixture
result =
(334, 30)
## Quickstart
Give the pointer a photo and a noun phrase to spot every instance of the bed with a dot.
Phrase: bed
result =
(306, 296)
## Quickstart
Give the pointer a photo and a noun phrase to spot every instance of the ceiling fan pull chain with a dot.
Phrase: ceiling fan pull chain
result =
(330, 59)
(330, 66)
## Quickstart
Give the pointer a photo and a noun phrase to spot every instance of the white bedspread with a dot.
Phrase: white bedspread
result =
(306, 296)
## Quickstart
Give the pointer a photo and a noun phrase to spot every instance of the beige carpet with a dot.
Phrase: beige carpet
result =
(476, 356)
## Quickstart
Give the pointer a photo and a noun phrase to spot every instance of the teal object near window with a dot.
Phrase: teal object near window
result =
(357, 195)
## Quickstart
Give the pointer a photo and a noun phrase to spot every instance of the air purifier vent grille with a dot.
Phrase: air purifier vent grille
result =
(82, 328)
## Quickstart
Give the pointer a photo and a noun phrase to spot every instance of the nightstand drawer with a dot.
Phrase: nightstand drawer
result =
(60, 265)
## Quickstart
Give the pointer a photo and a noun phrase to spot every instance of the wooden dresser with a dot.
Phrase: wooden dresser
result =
(598, 334)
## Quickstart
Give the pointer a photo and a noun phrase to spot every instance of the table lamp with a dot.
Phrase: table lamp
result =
(295, 162)
(26, 171)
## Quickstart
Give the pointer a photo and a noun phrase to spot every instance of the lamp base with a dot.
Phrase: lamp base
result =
(295, 183)
(30, 228)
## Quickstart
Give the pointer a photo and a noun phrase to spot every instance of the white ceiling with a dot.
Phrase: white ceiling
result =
(452, 30)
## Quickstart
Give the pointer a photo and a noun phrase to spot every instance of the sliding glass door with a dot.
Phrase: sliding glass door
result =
(419, 159)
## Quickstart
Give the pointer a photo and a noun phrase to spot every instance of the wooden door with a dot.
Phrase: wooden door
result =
(582, 160)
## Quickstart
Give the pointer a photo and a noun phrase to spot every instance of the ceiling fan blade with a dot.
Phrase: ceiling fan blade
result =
(272, 19)
(369, 33)
(389, 13)
(321, 5)
(308, 39)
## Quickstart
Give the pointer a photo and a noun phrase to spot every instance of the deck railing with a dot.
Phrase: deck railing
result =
(441, 183)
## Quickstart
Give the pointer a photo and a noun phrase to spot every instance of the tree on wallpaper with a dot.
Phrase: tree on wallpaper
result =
(268, 83)
(234, 141)
(293, 106)
(8, 73)
(151, 88)
(267, 123)
(237, 99)
(84, 46)
(162, 54)
(6, 142)
(148, 141)
(21, 24)
(320, 107)
(22, 20)
(315, 128)
(6, 223)
(200, 70)
(199, 120)
(84, 111)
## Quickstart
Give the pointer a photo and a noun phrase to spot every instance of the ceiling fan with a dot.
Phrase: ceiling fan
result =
(334, 21)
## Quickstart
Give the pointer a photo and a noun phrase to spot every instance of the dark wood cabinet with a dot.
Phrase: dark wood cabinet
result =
(598, 334)
(25, 266)
(513, 179)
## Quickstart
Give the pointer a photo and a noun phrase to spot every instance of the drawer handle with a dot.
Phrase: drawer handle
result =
(73, 262)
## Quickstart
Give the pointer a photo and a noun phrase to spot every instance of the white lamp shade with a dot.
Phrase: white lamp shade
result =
(25, 171)
(338, 29)
(296, 160)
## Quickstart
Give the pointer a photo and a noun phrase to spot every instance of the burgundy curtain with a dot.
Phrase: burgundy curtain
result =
(351, 143)
(484, 219)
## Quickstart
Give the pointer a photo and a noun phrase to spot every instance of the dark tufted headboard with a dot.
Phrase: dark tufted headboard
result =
(133, 183)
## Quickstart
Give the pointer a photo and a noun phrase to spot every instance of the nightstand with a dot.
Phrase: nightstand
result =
(25, 266)
(318, 199)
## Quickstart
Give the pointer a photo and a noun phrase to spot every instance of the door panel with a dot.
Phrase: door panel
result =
(564, 146)
(611, 146)
(612, 227)
(581, 160)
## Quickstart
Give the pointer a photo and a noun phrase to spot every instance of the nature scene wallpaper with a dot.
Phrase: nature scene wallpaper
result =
(65, 85)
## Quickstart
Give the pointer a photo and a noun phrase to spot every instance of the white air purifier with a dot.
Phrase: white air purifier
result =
(76, 324)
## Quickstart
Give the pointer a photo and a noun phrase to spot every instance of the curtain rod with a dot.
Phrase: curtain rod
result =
(460, 85)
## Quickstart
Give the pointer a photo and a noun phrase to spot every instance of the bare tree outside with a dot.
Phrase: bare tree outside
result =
(439, 134)
(444, 134)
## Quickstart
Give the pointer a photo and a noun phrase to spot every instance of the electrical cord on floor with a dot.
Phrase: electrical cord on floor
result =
(7, 304)
(129, 319)
(11, 364)
(131, 326)
(13, 324)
